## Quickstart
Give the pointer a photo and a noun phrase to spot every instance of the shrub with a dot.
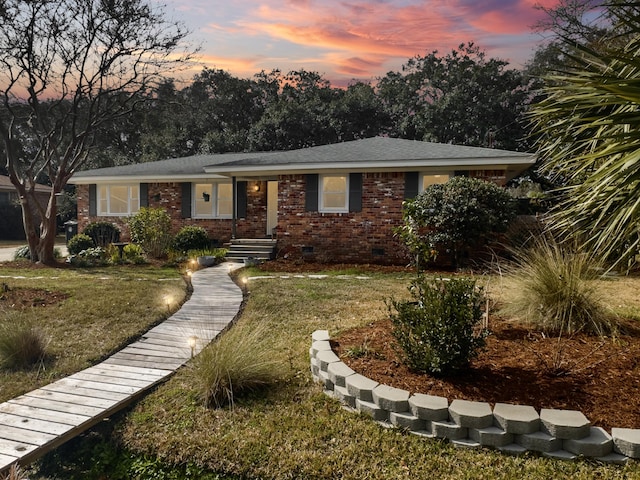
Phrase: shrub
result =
(150, 229)
(455, 217)
(438, 332)
(132, 253)
(90, 257)
(238, 362)
(102, 233)
(554, 289)
(79, 243)
(191, 238)
(22, 344)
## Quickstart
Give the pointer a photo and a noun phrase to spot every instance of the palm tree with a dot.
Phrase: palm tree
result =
(589, 127)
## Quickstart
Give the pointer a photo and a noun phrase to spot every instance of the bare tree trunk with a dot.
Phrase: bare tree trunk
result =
(48, 230)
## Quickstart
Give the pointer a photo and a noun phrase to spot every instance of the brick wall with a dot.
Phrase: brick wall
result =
(360, 237)
(169, 197)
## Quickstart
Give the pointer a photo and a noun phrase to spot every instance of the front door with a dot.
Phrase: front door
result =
(272, 206)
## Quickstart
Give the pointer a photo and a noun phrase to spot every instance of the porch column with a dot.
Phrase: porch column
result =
(234, 193)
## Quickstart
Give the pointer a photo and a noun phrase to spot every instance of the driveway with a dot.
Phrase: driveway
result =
(6, 253)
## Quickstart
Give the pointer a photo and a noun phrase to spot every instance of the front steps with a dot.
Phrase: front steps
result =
(241, 249)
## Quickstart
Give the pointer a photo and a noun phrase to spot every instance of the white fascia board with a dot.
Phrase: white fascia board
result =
(144, 178)
(499, 163)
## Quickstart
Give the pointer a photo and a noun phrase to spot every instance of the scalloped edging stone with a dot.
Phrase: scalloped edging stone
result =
(511, 429)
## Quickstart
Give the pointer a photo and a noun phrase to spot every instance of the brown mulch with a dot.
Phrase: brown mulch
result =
(600, 378)
(13, 298)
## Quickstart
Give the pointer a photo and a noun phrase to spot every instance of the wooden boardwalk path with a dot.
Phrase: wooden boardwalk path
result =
(39, 421)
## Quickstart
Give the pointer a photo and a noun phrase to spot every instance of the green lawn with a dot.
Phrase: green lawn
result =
(292, 430)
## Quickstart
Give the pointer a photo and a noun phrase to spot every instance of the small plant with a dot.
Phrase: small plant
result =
(238, 362)
(218, 253)
(79, 243)
(91, 257)
(555, 291)
(360, 351)
(150, 228)
(191, 238)
(22, 344)
(103, 233)
(133, 253)
(23, 253)
(439, 331)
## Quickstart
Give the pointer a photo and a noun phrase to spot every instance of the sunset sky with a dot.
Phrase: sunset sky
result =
(352, 40)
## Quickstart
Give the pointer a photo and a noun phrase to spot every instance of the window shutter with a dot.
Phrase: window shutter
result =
(355, 192)
(241, 193)
(411, 185)
(186, 200)
(311, 195)
(144, 195)
(93, 201)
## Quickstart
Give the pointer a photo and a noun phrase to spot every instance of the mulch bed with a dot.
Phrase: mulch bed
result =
(600, 378)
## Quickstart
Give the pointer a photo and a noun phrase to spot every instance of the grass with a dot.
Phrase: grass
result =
(293, 430)
(555, 290)
(22, 343)
(105, 309)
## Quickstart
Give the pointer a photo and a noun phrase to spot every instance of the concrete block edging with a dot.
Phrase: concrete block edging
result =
(512, 429)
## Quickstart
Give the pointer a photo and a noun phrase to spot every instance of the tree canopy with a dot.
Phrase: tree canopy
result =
(68, 70)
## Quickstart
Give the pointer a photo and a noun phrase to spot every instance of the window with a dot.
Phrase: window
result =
(118, 200)
(213, 200)
(428, 180)
(334, 193)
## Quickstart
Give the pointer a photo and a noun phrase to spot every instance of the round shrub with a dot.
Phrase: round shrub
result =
(150, 228)
(79, 243)
(103, 233)
(191, 238)
(438, 331)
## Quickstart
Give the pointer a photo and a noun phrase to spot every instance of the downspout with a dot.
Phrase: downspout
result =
(234, 193)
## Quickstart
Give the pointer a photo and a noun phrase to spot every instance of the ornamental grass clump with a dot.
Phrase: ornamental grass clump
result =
(22, 343)
(439, 331)
(555, 289)
(240, 361)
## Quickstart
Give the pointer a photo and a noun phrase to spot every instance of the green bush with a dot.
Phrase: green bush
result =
(22, 344)
(554, 289)
(150, 228)
(79, 243)
(191, 238)
(238, 362)
(454, 218)
(132, 253)
(102, 233)
(439, 331)
(90, 257)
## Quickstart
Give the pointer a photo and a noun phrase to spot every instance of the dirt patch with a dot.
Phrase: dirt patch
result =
(12, 298)
(600, 378)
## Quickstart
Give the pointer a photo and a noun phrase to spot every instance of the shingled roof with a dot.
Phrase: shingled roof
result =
(371, 154)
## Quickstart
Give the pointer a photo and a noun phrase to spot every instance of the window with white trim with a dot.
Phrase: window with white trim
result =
(118, 200)
(213, 200)
(428, 180)
(334, 193)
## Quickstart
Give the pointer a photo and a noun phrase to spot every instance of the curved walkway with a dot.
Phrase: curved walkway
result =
(39, 421)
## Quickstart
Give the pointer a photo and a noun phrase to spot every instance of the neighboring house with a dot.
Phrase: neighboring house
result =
(11, 227)
(338, 202)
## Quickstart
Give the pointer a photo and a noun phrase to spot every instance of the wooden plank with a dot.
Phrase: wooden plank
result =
(36, 413)
(18, 421)
(22, 435)
(161, 343)
(56, 406)
(170, 349)
(91, 389)
(134, 363)
(131, 382)
(15, 449)
(143, 372)
(153, 354)
(97, 404)
(6, 461)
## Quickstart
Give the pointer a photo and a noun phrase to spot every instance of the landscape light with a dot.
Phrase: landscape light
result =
(192, 343)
